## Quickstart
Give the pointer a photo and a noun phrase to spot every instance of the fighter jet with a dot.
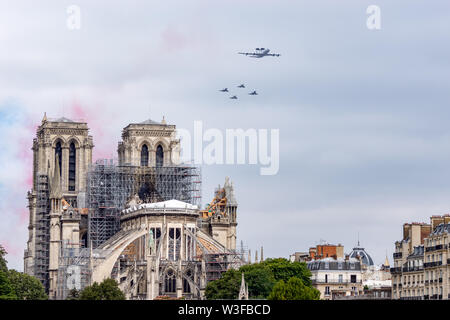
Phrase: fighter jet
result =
(233, 97)
(224, 90)
(253, 93)
(260, 53)
(241, 86)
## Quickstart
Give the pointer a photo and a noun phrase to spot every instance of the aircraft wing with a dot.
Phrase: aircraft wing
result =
(273, 54)
(246, 53)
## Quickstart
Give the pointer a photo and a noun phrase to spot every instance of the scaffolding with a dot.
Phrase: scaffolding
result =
(75, 267)
(42, 220)
(110, 186)
(218, 263)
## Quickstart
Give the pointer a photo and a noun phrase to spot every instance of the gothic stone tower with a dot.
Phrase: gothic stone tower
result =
(62, 147)
(219, 217)
(149, 144)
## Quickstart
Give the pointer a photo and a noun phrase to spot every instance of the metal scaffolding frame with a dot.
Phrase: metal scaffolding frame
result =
(110, 186)
(42, 225)
(75, 267)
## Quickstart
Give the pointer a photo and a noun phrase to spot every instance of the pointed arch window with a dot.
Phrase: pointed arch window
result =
(58, 155)
(159, 156)
(144, 156)
(72, 166)
(170, 282)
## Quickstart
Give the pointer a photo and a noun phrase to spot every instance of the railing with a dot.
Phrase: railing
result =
(432, 264)
(333, 282)
(412, 269)
(396, 270)
(436, 247)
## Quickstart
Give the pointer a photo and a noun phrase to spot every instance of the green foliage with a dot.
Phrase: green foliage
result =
(107, 290)
(261, 279)
(26, 287)
(294, 289)
(6, 289)
(3, 261)
(227, 287)
(283, 269)
(74, 294)
(18, 285)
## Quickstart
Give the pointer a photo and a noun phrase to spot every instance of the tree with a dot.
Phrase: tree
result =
(107, 290)
(26, 287)
(3, 262)
(74, 294)
(294, 289)
(283, 269)
(259, 278)
(227, 287)
(6, 289)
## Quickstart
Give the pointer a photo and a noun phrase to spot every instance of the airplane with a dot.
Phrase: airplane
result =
(260, 52)
(253, 93)
(233, 97)
(224, 90)
(241, 86)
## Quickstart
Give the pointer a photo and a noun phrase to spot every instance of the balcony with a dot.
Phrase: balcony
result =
(397, 255)
(412, 269)
(396, 270)
(436, 247)
(334, 282)
(432, 264)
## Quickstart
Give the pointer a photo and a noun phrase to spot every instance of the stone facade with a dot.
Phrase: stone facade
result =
(62, 155)
(148, 142)
(421, 261)
(62, 149)
(330, 275)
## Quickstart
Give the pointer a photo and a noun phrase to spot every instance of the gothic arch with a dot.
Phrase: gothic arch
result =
(163, 143)
(143, 142)
(145, 155)
(59, 139)
(74, 140)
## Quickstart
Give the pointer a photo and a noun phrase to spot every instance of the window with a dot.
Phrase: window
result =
(144, 156)
(58, 155)
(326, 278)
(341, 278)
(353, 278)
(72, 166)
(327, 290)
(159, 156)
(170, 281)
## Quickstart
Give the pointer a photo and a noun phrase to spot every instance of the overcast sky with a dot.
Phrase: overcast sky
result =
(363, 114)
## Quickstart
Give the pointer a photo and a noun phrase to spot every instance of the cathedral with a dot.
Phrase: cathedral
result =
(137, 220)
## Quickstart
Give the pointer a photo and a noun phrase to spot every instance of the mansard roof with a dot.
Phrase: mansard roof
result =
(441, 228)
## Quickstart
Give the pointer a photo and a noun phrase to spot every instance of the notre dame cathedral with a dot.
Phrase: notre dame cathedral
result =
(137, 220)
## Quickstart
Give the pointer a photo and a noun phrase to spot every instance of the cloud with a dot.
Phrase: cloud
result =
(362, 114)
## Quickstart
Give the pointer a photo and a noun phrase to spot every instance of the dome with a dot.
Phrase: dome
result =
(365, 258)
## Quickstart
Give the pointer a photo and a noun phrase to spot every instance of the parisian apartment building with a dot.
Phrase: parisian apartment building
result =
(421, 261)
